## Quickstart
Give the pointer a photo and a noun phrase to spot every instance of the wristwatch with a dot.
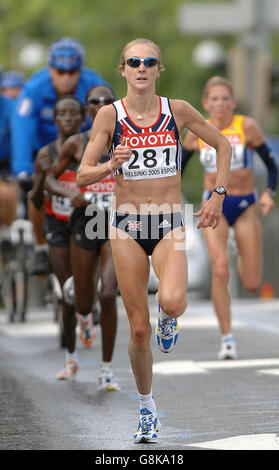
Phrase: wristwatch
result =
(220, 190)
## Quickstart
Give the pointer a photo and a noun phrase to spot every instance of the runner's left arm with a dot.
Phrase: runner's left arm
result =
(42, 163)
(255, 139)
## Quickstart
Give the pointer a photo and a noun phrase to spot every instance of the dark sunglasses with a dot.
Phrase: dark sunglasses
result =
(68, 72)
(136, 61)
(102, 99)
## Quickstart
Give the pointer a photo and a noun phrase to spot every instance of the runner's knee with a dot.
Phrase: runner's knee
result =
(108, 296)
(84, 306)
(140, 333)
(220, 270)
(173, 304)
(251, 285)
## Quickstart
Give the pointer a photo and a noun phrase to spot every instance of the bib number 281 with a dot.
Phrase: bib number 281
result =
(149, 158)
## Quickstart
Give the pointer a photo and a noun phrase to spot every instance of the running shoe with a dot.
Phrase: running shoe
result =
(107, 381)
(166, 332)
(148, 427)
(69, 371)
(228, 349)
(87, 333)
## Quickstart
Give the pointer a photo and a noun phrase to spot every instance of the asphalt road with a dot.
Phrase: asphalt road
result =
(203, 403)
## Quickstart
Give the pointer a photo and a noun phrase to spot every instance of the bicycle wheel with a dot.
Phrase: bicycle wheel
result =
(21, 288)
(9, 295)
(21, 278)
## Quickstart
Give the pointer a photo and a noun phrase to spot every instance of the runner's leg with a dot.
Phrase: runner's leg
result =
(60, 258)
(132, 270)
(216, 241)
(107, 299)
(170, 265)
(248, 237)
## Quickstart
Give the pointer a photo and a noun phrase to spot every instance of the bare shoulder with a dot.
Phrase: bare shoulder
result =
(72, 143)
(180, 106)
(106, 113)
(42, 154)
(249, 123)
(253, 133)
(104, 122)
(76, 138)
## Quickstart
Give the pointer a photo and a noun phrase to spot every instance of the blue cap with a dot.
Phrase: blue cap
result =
(12, 79)
(66, 54)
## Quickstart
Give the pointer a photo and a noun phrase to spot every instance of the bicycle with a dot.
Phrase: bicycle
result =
(15, 273)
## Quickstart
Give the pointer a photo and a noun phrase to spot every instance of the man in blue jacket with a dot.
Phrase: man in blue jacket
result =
(33, 122)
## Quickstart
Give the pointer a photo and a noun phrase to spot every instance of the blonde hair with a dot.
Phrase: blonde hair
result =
(214, 81)
(134, 43)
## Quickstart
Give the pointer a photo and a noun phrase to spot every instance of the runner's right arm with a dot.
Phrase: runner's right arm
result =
(68, 150)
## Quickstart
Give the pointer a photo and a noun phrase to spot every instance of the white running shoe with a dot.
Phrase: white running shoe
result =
(148, 427)
(107, 381)
(228, 349)
(166, 331)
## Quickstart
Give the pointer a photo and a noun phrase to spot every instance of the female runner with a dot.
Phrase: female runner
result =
(142, 130)
(241, 208)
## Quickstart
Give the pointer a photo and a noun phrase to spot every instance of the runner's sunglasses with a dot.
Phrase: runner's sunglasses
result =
(101, 99)
(136, 61)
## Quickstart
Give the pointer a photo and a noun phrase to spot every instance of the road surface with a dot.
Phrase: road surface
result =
(203, 403)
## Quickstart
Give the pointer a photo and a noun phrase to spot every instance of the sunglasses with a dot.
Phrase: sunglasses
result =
(68, 72)
(102, 99)
(136, 61)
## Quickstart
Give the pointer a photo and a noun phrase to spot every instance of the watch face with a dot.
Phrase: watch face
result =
(221, 189)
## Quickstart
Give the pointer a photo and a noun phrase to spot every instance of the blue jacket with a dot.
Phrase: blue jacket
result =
(33, 121)
(6, 109)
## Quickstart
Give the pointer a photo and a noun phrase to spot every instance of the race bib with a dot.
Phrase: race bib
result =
(61, 207)
(208, 155)
(153, 155)
(102, 200)
(100, 193)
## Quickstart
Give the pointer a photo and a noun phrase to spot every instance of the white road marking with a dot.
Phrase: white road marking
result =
(199, 322)
(203, 367)
(45, 327)
(244, 442)
(178, 368)
(269, 371)
(30, 329)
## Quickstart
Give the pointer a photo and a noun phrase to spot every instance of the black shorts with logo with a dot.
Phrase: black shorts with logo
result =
(89, 231)
(57, 232)
(146, 229)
